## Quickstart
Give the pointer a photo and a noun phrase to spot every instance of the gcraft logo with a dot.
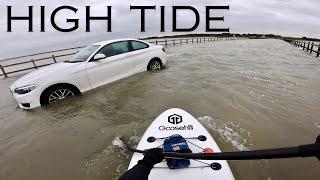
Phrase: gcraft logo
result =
(175, 119)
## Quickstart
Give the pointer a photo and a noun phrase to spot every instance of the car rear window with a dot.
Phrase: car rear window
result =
(136, 45)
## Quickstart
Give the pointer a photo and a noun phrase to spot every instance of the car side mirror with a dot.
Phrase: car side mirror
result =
(99, 56)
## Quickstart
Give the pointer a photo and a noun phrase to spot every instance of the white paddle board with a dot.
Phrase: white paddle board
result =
(177, 121)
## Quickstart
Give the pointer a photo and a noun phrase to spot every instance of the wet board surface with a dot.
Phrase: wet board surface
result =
(177, 121)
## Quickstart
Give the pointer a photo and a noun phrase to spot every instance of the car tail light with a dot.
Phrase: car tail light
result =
(163, 49)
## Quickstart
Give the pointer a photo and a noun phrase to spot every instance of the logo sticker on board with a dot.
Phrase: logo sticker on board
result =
(175, 119)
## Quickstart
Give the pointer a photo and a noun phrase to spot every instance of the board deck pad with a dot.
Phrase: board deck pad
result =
(177, 121)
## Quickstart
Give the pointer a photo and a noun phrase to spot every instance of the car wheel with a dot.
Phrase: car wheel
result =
(154, 65)
(57, 93)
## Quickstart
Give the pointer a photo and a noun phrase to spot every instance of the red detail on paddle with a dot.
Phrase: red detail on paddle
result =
(208, 150)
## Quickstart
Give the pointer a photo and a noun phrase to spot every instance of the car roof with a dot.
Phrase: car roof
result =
(102, 43)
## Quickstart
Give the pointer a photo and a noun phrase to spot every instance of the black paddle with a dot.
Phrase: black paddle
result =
(309, 150)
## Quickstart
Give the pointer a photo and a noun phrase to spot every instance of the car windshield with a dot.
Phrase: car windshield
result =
(84, 54)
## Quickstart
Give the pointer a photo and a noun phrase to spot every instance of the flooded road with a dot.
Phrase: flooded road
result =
(250, 94)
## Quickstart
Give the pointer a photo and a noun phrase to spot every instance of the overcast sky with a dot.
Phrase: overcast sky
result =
(283, 17)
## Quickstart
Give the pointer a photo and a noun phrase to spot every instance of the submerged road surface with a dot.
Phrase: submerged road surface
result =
(250, 94)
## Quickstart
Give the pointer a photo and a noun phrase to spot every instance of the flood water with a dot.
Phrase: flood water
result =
(249, 94)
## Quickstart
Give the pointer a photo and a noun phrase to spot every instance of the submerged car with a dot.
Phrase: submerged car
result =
(95, 65)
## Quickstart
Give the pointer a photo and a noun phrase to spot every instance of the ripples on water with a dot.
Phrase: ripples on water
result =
(229, 131)
(249, 94)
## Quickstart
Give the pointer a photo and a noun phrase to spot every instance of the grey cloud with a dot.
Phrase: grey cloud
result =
(291, 17)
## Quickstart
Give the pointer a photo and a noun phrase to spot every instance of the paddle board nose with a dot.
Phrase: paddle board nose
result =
(177, 121)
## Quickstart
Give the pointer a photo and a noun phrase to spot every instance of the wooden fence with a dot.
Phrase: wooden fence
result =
(49, 57)
(310, 47)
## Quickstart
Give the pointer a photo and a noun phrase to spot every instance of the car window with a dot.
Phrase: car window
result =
(115, 48)
(136, 45)
(84, 54)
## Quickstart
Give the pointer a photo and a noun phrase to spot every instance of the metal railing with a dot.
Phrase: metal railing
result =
(310, 47)
(49, 57)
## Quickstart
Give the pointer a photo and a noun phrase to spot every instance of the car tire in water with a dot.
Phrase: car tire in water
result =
(155, 65)
(57, 93)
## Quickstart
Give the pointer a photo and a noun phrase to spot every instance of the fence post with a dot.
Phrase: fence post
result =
(187, 41)
(308, 46)
(304, 45)
(166, 42)
(34, 64)
(318, 53)
(192, 40)
(54, 59)
(311, 49)
(156, 42)
(174, 42)
(3, 72)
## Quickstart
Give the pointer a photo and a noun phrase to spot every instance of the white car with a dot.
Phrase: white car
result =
(95, 65)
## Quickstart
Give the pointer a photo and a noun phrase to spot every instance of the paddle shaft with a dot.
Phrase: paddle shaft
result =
(309, 150)
(290, 152)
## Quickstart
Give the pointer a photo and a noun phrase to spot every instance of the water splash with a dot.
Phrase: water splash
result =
(117, 142)
(112, 161)
(229, 131)
(317, 124)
